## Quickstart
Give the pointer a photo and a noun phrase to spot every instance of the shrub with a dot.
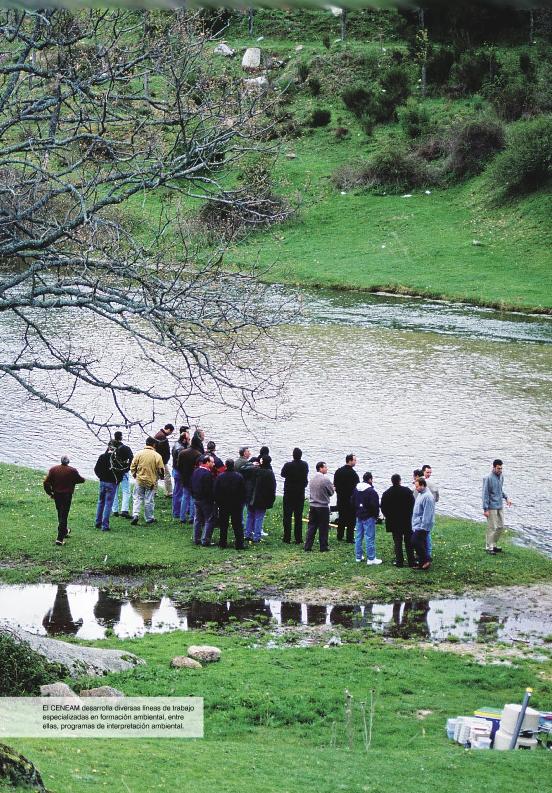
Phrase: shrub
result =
(23, 670)
(395, 86)
(414, 119)
(314, 86)
(302, 71)
(526, 65)
(543, 88)
(526, 163)
(341, 133)
(320, 118)
(326, 41)
(393, 169)
(470, 71)
(472, 145)
(510, 94)
(358, 100)
(439, 64)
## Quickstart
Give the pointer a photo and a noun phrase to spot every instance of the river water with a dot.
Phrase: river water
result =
(400, 382)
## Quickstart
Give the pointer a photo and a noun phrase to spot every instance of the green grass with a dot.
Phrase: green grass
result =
(164, 554)
(274, 721)
(422, 245)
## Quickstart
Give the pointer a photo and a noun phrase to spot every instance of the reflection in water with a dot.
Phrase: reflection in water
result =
(59, 619)
(87, 612)
(107, 609)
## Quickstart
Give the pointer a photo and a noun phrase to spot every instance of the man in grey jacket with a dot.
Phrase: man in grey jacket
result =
(423, 520)
(320, 492)
(493, 498)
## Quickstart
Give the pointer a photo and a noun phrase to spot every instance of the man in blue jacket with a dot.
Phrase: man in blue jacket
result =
(365, 502)
(493, 498)
(423, 520)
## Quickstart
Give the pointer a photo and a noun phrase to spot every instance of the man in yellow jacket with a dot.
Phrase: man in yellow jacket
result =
(147, 468)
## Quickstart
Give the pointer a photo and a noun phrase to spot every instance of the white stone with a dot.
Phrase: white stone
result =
(256, 83)
(252, 58)
(204, 652)
(183, 662)
(57, 690)
(224, 49)
(102, 691)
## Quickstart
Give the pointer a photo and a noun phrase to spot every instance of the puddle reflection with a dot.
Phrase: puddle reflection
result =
(89, 613)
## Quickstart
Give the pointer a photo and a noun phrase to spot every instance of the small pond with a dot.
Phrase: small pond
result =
(90, 613)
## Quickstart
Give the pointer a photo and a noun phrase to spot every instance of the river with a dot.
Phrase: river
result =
(400, 382)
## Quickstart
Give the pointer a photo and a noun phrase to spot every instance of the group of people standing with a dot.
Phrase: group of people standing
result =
(208, 493)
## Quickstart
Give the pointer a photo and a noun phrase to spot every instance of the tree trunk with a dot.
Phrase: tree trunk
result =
(343, 24)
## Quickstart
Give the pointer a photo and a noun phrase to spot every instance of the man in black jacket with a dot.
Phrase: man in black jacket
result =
(109, 478)
(121, 460)
(263, 495)
(345, 481)
(397, 504)
(163, 448)
(229, 492)
(202, 490)
(296, 475)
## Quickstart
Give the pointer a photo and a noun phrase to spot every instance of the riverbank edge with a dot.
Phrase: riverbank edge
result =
(273, 571)
(398, 290)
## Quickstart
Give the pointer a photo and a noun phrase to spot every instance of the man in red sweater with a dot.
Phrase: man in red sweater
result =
(60, 485)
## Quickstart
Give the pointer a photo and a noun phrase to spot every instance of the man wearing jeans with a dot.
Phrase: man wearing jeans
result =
(423, 519)
(493, 498)
(320, 492)
(202, 483)
(109, 479)
(147, 467)
(365, 502)
(121, 461)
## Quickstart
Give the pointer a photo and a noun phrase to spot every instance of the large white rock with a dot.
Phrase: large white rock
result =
(76, 659)
(252, 58)
(224, 49)
(204, 652)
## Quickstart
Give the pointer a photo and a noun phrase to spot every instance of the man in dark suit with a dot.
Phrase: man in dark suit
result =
(397, 504)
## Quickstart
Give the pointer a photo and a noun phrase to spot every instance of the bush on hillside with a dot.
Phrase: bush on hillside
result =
(543, 88)
(414, 119)
(320, 118)
(472, 145)
(471, 70)
(302, 71)
(22, 670)
(439, 64)
(526, 65)
(393, 169)
(526, 163)
(358, 99)
(395, 90)
(314, 86)
(510, 93)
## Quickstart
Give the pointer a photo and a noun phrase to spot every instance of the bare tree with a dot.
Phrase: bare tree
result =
(96, 115)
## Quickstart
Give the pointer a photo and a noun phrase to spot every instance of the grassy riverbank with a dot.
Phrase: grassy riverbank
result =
(275, 721)
(163, 554)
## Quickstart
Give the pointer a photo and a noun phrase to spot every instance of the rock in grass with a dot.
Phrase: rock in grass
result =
(17, 770)
(224, 49)
(57, 690)
(204, 652)
(102, 691)
(252, 59)
(74, 659)
(183, 662)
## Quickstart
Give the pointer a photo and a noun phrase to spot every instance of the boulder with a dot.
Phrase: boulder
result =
(224, 49)
(18, 771)
(102, 691)
(204, 652)
(57, 690)
(183, 662)
(74, 658)
(252, 59)
(256, 84)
